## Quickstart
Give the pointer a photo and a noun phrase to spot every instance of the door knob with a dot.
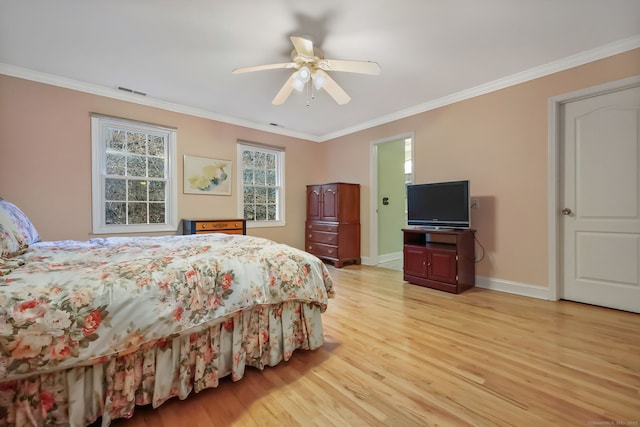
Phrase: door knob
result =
(566, 211)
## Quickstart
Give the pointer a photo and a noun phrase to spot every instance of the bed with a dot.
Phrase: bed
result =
(89, 330)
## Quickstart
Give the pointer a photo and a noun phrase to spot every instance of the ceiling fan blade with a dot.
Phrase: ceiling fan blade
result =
(360, 67)
(303, 47)
(284, 92)
(333, 89)
(264, 67)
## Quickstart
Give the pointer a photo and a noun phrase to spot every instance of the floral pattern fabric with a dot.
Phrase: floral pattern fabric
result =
(14, 222)
(73, 303)
(122, 310)
(16, 234)
(258, 336)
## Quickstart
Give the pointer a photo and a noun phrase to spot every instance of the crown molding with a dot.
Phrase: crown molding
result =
(54, 80)
(581, 58)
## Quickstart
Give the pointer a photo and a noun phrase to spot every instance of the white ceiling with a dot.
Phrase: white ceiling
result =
(181, 53)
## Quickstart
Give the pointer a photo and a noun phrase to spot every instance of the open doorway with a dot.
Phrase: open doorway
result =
(392, 170)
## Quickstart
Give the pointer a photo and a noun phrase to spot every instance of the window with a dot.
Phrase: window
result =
(260, 185)
(134, 176)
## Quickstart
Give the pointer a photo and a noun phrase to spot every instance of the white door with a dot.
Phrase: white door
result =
(601, 200)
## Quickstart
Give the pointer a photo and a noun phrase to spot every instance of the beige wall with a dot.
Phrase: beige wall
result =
(45, 159)
(498, 141)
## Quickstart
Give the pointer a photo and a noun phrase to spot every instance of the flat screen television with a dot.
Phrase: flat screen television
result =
(439, 205)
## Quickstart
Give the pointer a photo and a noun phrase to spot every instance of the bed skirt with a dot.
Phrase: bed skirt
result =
(157, 371)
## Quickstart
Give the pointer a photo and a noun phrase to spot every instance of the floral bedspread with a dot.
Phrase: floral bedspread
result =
(77, 303)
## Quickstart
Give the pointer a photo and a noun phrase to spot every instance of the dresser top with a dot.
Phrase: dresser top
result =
(332, 183)
(213, 219)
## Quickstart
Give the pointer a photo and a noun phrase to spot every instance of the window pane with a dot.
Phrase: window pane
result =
(261, 212)
(137, 213)
(249, 212)
(156, 146)
(137, 191)
(136, 143)
(115, 213)
(136, 166)
(249, 195)
(247, 159)
(156, 213)
(115, 164)
(261, 195)
(260, 171)
(115, 189)
(260, 160)
(271, 161)
(272, 195)
(247, 176)
(115, 140)
(157, 191)
(271, 212)
(271, 178)
(134, 170)
(156, 167)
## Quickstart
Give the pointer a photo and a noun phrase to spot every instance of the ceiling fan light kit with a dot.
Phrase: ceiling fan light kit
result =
(304, 74)
(301, 78)
(318, 80)
(310, 67)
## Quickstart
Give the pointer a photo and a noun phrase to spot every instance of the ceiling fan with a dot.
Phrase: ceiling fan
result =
(311, 68)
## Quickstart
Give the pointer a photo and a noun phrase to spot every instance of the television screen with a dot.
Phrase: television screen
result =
(439, 205)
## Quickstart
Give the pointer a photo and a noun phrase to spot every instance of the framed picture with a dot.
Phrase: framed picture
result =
(203, 175)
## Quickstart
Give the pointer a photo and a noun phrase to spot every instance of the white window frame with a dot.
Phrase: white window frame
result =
(99, 124)
(280, 159)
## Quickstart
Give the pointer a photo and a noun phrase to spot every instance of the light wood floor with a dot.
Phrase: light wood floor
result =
(402, 355)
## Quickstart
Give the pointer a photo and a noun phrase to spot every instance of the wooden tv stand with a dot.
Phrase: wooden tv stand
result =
(440, 259)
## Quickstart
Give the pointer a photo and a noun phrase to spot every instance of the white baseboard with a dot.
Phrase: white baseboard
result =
(516, 288)
(365, 260)
(389, 257)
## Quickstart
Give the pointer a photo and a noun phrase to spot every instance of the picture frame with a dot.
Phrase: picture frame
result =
(205, 175)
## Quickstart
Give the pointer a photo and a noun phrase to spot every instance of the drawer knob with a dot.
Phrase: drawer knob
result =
(310, 247)
(310, 235)
(330, 251)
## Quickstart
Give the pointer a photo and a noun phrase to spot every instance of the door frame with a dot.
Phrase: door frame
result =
(373, 182)
(555, 255)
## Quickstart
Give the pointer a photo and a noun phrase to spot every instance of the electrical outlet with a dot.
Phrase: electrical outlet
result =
(475, 203)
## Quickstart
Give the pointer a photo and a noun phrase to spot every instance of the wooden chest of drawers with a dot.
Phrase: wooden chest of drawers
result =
(206, 226)
(333, 222)
(335, 242)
